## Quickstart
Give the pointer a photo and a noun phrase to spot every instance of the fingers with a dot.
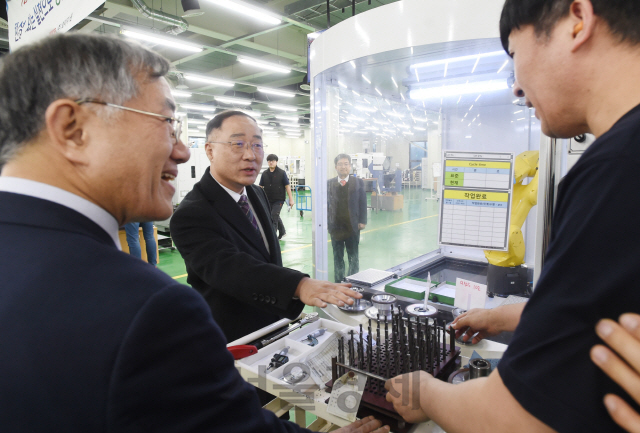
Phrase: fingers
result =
(365, 425)
(620, 340)
(622, 413)
(617, 370)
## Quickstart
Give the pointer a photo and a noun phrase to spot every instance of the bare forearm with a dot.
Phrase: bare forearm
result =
(288, 188)
(472, 407)
(508, 316)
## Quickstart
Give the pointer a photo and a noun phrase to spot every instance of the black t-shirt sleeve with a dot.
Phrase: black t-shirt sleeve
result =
(590, 272)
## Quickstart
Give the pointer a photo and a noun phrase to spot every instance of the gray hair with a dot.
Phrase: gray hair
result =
(73, 66)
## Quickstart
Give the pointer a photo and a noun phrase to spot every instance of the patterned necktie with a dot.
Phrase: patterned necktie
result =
(244, 206)
(342, 182)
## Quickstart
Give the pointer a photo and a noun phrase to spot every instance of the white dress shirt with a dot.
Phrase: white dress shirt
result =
(54, 194)
(236, 197)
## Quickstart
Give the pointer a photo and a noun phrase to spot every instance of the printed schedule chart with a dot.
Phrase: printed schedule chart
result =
(476, 201)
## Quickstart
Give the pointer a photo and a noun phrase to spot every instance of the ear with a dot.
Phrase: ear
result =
(209, 150)
(582, 18)
(65, 122)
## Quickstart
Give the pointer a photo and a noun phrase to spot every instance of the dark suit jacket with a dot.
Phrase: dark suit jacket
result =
(357, 202)
(246, 287)
(94, 340)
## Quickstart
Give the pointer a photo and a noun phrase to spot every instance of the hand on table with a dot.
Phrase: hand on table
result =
(365, 425)
(474, 321)
(320, 293)
(624, 338)
(404, 393)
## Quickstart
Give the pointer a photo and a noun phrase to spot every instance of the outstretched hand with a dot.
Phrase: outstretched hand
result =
(477, 323)
(624, 338)
(365, 425)
(319, 293)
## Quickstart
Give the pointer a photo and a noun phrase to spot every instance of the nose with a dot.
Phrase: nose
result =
(180, 153)
(249, 152)
(517, 90)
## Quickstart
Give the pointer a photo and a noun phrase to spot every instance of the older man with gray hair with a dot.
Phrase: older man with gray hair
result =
(93, 339)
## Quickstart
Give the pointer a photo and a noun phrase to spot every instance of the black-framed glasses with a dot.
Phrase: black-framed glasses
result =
(238, 146)
(176, 124)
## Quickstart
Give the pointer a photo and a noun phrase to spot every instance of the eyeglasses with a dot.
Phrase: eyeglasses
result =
(176, 124)
(238, 146)
(343, 164)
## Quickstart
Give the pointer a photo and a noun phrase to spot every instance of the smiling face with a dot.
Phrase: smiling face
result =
(135, 156)
(548, 79)
(233, 169)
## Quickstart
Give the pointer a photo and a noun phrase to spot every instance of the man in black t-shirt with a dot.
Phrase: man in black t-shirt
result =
(275, 183)
(577, 62)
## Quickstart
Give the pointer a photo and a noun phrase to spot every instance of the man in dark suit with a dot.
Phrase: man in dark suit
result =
(92, 338)
(223, 230)
(346, 215)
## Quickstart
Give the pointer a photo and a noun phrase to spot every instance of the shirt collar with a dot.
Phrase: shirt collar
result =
(234, 195)
(57, 195)
(346, 179)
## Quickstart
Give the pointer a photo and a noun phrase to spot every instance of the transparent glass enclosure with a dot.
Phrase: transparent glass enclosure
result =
(385, 120)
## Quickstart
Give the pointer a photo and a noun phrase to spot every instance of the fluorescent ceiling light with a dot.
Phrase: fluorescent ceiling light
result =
(291, 125)
(403, 126)
(394, 114)
(475, 65)
(380, 122)
(283, 107)
(478, 97)
(352, 63)
(293, 118)
(341, 84)
(407, 133)
(354, 118)
(506, 62)
(269, 66)
(252, 12)
(201, 127)
(394, 82)
(180, 94)
(355, 93)
(366, 79)
(267, 128)
(276, 92)
(402, 96)
(362, 132)
(198, 107)
(291, 130)
(365, 108)
(161, 41)
(417, 128)
(197, 122)
(459, 89)
(229, 100)
(455, 59)
(418, 119)
(214, 81)
(389, 130)
(371, 128)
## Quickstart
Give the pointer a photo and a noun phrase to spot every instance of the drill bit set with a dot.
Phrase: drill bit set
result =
(397, 345)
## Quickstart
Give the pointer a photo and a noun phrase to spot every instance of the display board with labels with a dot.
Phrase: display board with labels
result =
(475, 209)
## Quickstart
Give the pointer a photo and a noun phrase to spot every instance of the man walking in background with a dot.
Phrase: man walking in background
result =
(347, 215)
(275, 182)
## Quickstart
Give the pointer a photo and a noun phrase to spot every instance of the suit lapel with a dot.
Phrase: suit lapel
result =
(230, 211)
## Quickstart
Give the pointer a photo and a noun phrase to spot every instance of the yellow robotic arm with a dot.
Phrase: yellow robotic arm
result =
(524, 198)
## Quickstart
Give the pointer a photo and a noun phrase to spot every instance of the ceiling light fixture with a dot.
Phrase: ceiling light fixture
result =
(229, 100)
(161, 41)
(283, 107)
(293, 118)
(506, 62)
(352, 63)
(366, 79)
(252, 12)
(198, 107)
(365, 108)
(180, 94)
(341, 84)
(379, 93)
(196, 122)
(355, 93)
(475, 65)
(214, 81)
(268, 66)
(394, 82)
(459, 89)
(276, 92)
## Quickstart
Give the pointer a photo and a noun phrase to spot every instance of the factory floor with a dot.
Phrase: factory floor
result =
(390, 237)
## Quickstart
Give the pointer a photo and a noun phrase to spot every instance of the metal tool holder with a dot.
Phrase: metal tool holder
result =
(409, 344)
(359, 305)
(384, 306)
